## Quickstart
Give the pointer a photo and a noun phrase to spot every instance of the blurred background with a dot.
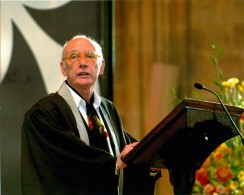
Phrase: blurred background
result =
(149, 46)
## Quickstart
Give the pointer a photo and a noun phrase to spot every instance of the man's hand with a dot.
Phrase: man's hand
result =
(119, 163)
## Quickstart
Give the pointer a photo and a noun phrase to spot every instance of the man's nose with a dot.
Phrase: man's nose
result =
(82, 64)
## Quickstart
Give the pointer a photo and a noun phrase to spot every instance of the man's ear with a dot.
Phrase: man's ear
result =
(62, 67)
(102, 67)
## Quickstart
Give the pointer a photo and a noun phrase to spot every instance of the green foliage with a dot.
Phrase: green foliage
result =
(214, 57)
(176, 100)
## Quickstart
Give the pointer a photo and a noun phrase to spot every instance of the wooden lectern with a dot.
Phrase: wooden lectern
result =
(184, 139)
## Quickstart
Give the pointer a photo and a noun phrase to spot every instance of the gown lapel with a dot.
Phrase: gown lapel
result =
(65, 93)
(114, 136)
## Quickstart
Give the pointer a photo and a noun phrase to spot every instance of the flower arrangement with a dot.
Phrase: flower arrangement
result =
(223, 171)
(234, 92)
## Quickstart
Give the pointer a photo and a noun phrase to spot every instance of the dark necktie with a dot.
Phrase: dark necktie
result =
(98, 135)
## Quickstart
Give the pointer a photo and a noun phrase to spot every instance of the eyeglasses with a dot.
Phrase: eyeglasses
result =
(75, 56)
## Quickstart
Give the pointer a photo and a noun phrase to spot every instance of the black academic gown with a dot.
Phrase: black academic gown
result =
(54, 159)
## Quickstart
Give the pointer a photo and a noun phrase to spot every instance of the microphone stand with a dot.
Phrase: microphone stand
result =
(200, 86)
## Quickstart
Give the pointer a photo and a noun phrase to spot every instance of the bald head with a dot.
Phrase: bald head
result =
(79, 40)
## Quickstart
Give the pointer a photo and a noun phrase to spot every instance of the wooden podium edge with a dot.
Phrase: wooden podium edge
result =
(169, 119)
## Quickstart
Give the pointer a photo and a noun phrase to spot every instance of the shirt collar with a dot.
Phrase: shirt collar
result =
(79, 101)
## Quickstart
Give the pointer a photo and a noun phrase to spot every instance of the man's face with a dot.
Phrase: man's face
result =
(81, 64)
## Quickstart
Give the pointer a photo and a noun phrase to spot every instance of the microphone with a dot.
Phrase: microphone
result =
(200, 86)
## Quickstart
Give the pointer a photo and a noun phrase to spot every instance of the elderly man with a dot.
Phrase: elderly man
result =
(73, 140)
